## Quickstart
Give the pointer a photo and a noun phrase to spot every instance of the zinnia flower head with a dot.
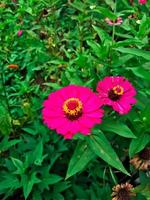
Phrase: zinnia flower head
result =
(142, 1)
(72, 109)
(122, 192)
(141, 160)
(19, 33)
(117, 92)
(116, 22)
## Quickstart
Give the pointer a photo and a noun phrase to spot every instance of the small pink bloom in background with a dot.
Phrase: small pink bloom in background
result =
(72, 109)
(19, 33)
(142, 1)
(116, 22)
(117, 92)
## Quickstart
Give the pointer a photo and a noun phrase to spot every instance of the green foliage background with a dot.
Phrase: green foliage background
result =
(68, 42)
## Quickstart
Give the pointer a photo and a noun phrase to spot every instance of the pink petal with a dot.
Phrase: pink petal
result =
(121, 108)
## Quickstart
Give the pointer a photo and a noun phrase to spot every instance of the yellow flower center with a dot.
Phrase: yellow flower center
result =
(72, 108)
(118, 90)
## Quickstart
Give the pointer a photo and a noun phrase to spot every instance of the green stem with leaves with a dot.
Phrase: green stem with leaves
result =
(113, 31)
(5, 95)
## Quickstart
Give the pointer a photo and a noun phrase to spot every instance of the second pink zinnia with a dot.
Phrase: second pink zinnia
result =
(142, 1)
(72, 109)
(117, 92)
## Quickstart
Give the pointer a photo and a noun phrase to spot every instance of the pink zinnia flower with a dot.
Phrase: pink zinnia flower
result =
(19, 33)
(116, 22)
(117, 92)
(72, 109)
(142, 1)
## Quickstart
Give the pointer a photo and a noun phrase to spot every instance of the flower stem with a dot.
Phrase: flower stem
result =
(113, 177)
(113, 31)
(113, 34)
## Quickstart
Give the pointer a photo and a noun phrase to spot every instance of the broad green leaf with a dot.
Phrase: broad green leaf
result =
(144, 189)
(28, 182)
(55, 86)
(29, 10)
(144, 26)
(111, 3)
(117, 127)
(105, 12)
(139, 143)
(95, 47)
(136, 52)
(100, 51)
(121, 60)
(10, 181)
(6, 144)
(38, 153)
(81, 157)
(52, 179)
(127, 42)
(102, 34)
(5, 121)
(19, 165)
(78, 5)
(144, 177)
(58, 196)
(60, 187)
(49, 179)
(30, 130)
(79, 191)
(37, 195)
(140, 72)
(145, 115)
(102, 148)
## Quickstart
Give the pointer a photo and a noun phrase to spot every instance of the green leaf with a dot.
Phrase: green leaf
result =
(139, 143)
(144, 189)
(100, 51)
(95, 47)
(38, 153)
(49, 179)
(78, 5)
(58, 196)
(111, 3)
(105, 12)
(145, 115)
(5, 144)
(28, 182)
(121, 60)
(81, 157)
(102, 148)
(127, 42)
(144, 177)
(60, 187)
(19, 165)
(118, 128)
(102, 34)
(136, 52)
(140, 72)
(29, 10)
(9, 181)
(52, 179)
(144, 26)
(5, 121)
(30, 130)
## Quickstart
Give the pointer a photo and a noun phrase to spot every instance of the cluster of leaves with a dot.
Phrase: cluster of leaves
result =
(68, 42)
